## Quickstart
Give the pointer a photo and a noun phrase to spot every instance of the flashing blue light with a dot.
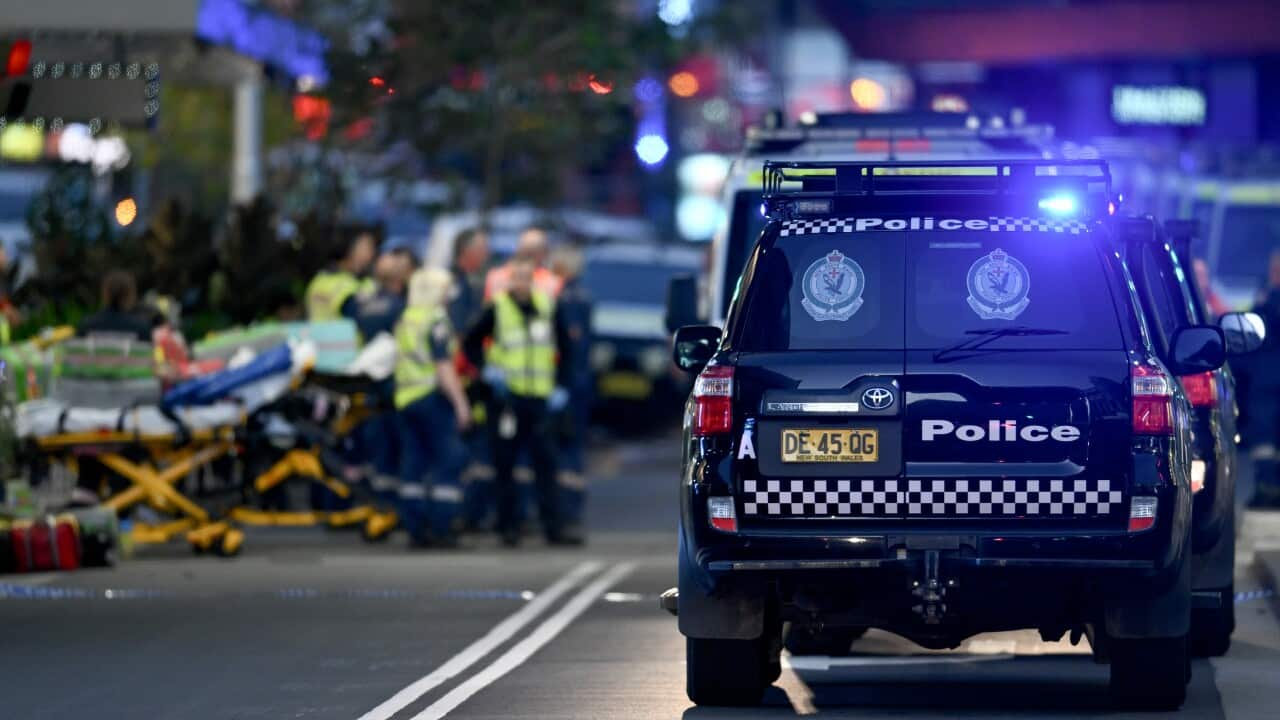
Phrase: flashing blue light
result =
(651, 149)
(764, 212)
(1059, 204)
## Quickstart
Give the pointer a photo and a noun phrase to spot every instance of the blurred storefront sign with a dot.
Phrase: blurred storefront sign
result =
(1157, 105)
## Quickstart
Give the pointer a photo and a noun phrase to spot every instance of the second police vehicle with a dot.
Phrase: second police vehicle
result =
(938, 407)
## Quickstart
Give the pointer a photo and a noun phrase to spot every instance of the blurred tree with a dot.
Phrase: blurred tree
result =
(518, 95)
(72, 246)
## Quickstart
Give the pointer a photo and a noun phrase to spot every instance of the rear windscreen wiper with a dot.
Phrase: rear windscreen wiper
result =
(986, 335)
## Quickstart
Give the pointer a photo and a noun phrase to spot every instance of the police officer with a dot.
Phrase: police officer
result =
(574, 307)
(528, 385)
(329, 292)
(1263, 398)
(470, 258)
(376, 314)
(433, 411)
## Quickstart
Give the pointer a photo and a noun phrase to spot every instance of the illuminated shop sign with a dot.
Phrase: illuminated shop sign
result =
(1157, 105)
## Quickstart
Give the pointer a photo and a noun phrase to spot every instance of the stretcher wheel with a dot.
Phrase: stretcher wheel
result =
(378, 527)
(231, 543)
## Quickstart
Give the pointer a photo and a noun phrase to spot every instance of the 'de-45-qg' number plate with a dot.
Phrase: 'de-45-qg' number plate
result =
(830, 445)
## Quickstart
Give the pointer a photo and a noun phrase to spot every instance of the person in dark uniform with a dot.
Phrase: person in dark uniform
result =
(119, 314)
(1263, 430)
(470, 258)
(376, 314)
(574, 306)
(527, 367)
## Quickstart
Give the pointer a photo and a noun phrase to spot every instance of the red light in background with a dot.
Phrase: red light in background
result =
(377, 81)
(359, 129)
(19, 58)
(598, 86)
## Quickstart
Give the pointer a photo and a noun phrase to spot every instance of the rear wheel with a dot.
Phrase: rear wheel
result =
(1149, 674)
(1211, 628)
(834, 642)
(727, 672)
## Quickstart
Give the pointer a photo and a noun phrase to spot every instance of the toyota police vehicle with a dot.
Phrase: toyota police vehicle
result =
(936, 407)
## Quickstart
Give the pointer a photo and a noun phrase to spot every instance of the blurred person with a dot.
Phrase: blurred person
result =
(433, 412)
(1264, 393)
(574, 307)
(1214, 303)
(376, 456)
(120, 313)
(330, 292)
(9, 315)
(470, 258)
(528, 387)
(532, 245)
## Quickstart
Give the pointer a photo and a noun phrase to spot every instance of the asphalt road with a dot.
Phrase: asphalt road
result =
(311, 624)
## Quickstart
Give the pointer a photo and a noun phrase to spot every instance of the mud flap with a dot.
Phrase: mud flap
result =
(1136, 610)
(725, 613)
(1215, 568)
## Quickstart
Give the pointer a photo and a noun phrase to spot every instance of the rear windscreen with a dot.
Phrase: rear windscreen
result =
(881, 290)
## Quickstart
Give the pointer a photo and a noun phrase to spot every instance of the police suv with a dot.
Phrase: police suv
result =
(936, 408)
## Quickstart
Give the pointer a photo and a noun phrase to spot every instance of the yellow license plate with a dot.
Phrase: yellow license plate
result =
(627, 386)
(826, 445)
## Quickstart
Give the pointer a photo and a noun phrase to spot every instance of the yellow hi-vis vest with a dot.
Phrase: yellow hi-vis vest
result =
(415, 369)
(526, 352)
(326, 293)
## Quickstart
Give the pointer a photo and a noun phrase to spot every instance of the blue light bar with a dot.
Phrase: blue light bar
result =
(1059, 204)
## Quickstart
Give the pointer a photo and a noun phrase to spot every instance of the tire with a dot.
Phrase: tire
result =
(833, 642)
(1149, 674)
(1211, 628)
(726, 672)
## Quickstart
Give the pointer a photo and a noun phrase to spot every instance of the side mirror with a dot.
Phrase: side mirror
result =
(1197, 349)
(1244, 331)
(694, 346)
(682, 302)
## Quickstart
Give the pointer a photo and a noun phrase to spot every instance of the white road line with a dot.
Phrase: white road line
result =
(523, 650)
(500, 633)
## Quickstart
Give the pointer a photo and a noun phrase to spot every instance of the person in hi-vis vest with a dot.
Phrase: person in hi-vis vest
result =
(523, 347)
(331, 293)
(433, 411)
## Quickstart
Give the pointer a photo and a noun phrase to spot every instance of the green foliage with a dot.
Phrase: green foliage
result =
(499, 91)
(72, 244)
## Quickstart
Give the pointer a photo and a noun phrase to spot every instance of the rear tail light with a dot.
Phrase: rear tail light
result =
(1152, 400)
(1142, 513)
(721, 514)
(1201, 389)
(713, 401)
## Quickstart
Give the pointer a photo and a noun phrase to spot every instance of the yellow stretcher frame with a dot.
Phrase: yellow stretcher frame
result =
(154, 481)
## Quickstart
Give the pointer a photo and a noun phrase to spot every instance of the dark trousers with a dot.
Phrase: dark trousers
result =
(533, 433)
(572, 475)
(432, 457)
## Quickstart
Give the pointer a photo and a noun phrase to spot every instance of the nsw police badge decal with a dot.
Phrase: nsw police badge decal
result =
(832, 287)
(998, 286)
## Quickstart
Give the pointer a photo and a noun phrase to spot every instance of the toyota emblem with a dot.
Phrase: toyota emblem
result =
(877, 398)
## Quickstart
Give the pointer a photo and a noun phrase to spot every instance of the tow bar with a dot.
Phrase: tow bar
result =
(932, 590)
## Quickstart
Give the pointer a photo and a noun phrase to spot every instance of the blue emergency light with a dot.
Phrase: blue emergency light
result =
(1059, 204)
(1078, 189)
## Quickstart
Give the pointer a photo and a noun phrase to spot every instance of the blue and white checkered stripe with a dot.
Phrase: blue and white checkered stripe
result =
(994, 224)
(1025, 224)
(817, 227)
